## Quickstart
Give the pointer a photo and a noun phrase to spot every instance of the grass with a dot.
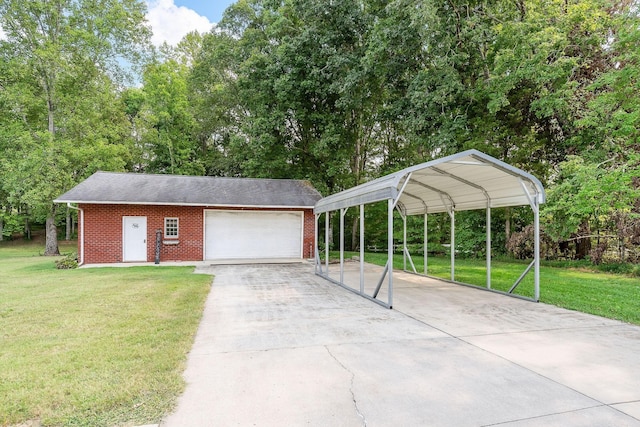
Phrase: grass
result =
(609, 295)
(86, 347)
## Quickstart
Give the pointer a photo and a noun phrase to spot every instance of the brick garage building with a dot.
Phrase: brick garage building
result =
(196, 218)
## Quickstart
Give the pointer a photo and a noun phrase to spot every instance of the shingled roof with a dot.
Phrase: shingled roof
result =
(146, 189)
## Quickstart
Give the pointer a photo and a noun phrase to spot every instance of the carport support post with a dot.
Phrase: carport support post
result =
(535, 207)
(362, 249)
(316, 253)
(343, 211)
(390, 209)
(424, 246)
(404, 242)
(536, 248)
(452, 214)
(326, 241)
(488, 249)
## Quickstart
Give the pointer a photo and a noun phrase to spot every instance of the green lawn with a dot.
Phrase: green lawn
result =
(92, 347)
(609, 295)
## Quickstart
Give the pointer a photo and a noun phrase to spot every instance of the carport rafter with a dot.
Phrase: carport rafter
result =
(465, 181)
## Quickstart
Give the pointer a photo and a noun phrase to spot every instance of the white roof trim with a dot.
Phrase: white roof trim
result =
(84, 202)
(470, 180)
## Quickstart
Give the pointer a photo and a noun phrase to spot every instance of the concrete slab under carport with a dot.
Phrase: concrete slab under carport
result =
(280, 346)
(590, 353)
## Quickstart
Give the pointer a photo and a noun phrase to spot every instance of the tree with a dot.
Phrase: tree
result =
(307, 108)
(165, 122)
(613, 114)
(542, 59)
(65, 51)
(585, 198)
(216, 103)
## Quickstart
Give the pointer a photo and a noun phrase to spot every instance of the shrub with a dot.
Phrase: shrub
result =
(597, 254)
(521, 244)
(11, 224)
(69, 262)
(616, 267)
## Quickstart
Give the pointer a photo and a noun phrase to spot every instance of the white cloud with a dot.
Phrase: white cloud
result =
(171, 23)
(3, 36)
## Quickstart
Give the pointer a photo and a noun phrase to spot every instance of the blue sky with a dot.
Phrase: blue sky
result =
(212, 9)
(171, 20)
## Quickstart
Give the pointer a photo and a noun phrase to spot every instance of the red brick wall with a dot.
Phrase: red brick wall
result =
(308, 244)
(103, 232)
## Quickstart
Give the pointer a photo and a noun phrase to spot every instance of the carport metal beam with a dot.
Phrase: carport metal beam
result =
(425, 245)
(318, 264)
(488, 244)
(326, 240)
(343, 211)
(361, 249)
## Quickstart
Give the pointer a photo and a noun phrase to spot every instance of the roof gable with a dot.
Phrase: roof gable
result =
(147, 189)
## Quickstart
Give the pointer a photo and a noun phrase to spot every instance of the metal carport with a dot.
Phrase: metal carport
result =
(469, 180)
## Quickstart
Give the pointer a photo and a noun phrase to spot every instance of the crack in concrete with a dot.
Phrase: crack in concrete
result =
(353, 377)
(542, 416)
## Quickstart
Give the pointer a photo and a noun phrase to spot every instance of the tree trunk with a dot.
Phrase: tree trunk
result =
(355, 241)
(522, 8)
(51, 244)
(583, 245)
(507, 223)
(27, 229)
(67, 235)
(52, 125)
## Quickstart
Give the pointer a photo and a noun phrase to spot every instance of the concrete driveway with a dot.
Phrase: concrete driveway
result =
(279, 346)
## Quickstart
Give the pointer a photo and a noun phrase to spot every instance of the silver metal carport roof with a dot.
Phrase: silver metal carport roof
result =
(466, 181)
(469, 180)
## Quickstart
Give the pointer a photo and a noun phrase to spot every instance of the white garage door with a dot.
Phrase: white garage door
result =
(253, 234)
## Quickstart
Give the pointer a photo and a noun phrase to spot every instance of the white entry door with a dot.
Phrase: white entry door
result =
(253, 234)
(134, 238)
